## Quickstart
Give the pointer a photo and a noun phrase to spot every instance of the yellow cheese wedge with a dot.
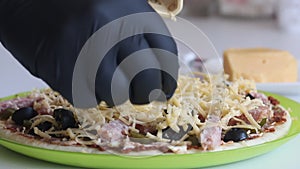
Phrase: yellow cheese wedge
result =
(261, 65)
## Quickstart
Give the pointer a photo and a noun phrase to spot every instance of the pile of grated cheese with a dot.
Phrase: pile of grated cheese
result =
(194, 97)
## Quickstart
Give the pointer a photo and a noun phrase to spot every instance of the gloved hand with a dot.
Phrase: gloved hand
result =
(47, 36)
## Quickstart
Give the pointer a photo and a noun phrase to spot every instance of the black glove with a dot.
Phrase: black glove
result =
(47, 36)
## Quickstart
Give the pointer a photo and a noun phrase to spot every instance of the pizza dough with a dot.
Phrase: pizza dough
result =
(208, 105)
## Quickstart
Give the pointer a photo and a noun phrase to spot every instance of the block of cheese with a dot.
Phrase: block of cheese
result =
(261, 65)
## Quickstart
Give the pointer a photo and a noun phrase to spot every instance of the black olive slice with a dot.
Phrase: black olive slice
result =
(65, 119)
(23, 114)
(235, 135)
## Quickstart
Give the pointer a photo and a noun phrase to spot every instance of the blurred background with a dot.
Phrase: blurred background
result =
(247, 23)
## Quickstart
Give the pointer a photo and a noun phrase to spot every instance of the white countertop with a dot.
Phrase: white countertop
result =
(224, 33)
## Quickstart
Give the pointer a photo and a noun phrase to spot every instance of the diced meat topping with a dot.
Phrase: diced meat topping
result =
(113, 133)
(262, 97)
(114, 136)
(273, 101)
(143, 129)
(258, 114)
(17, 103)
(210, 137)
(201, 118)
(279, 115)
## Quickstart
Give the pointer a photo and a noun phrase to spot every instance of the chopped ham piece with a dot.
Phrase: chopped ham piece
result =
(279, 115)
(114, 137)
(17, 103)
(210, 137)
(258, 114)
(113, 133)
(262, 97)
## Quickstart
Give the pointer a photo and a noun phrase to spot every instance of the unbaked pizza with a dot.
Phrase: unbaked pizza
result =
(205, 114)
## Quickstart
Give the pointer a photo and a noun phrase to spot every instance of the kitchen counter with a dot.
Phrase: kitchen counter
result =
(224, 33)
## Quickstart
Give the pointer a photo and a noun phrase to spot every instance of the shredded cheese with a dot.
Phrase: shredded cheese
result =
(208, 97)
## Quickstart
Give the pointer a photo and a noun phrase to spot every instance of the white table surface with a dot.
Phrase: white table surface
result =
(224, 33)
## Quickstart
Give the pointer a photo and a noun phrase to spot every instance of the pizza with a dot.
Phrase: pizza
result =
(206, 113)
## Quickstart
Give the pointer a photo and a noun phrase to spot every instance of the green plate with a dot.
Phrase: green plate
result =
(197, 160)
